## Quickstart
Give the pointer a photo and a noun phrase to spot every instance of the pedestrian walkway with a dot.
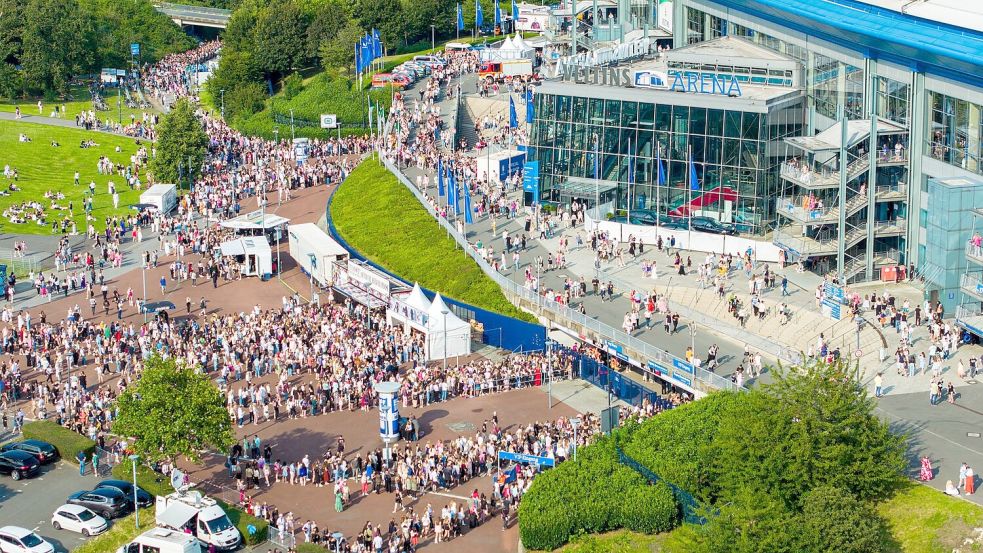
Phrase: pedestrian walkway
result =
(51, 121)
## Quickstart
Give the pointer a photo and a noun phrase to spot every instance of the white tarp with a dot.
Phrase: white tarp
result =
(307, 240)
(176, 515)
(447, 335)
(689, 240)
(417, 299)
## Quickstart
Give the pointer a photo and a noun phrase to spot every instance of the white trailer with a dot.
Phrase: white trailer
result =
(161, 196)
(315, 252)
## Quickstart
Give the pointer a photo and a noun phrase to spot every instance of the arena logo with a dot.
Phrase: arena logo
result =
(689, 81)
(607, 76)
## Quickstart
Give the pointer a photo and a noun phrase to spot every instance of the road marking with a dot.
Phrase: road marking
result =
(937, 435)
(450, 495)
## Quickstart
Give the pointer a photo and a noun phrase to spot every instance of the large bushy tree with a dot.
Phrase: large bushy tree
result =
(57, 43)
(339, 53)
(173, 411)
(181, 144)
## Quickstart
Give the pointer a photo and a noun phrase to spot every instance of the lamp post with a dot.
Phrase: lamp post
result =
(433, 38)
(549, 367)
(575, 422)
(692, 338)
(444, 313)
(276, 136)
(222, 93)
(136, 506)
(119, 100)
(292, 135)
(143, 272)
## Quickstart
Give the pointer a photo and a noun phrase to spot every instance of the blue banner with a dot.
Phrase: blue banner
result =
(530, 179)
(682, 365)
(135, 49)
(687, 381)
(525, 458)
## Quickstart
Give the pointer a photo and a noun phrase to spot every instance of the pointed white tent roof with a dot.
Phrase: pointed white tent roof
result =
(436, 317)
(417, 299)
(507, 44)
(519, 44)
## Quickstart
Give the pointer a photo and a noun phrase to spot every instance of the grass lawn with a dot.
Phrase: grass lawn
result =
(43, 168)
(81, 102)
(379, 217)
(924, 520)
(620, 541)
(121, 532)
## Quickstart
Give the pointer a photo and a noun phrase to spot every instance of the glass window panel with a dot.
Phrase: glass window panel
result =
(612, 112)
(646, 114)
(715, 122)
(629, 114)
(732, 124)
(698, 121)
(750, 128)
(595, 115)
(663, 117)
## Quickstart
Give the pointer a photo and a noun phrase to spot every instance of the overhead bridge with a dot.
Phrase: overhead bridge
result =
(195, 15)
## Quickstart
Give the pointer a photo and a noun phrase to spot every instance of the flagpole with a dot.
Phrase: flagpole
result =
(689, 191)
(629, 181)
(658, 169)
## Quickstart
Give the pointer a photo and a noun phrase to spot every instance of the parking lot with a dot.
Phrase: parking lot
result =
(30, 502)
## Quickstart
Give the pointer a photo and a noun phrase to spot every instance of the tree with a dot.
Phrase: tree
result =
(339, 52)
(387, 16)
(751, 522)
(181, 143)
(281, 37)
(58, 43)
(173, 411)
(244, 100)
(11, 28)
(329, 19)
(833, 521)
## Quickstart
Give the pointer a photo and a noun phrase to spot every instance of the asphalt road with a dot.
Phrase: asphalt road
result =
(29, 503)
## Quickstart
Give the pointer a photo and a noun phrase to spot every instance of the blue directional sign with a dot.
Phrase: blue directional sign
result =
(682, 365)
(135, 49)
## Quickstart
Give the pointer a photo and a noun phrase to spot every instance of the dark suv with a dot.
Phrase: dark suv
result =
(19, 464)
(45, 452)
(144, 499)
(107, 502)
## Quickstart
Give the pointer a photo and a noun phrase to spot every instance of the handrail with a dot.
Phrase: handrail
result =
(559, 311)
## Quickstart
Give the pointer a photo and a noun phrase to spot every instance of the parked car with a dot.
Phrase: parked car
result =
(76, 518)
(381, 80)
(107, 502)
(635, 219)
(19, 464)
(707, 224)
(144, 499)
(45, 452)
(14, 539)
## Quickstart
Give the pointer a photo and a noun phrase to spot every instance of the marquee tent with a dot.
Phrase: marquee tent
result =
(447, 335)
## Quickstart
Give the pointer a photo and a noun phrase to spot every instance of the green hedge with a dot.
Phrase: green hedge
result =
(153, 483)
(592, 495)
(68, 442)
(122, 532)
(242, 520)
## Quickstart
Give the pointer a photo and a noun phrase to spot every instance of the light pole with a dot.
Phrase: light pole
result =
(575, 422)
(276, 136)
(444, 313)
(136, 506)
(549, 367)
(119, 100)
(692, 338)
(292, 135)
(143, 307)
(433, 39)
(222, 93)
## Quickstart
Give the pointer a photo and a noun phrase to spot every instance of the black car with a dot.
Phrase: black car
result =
(706, 224)
(108, 503)
(19, 464)
(45, 452)
(144, 499)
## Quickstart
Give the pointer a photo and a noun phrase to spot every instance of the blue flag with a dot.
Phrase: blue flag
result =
(479, 17)
(468, 218)
(358, 59)
(440, 177)
(457, 200)
(660, 175)
(498, 14)
(515, 14)
(694, 183)
(378, 43)
(451, 189)
(530, 110)
(513, 119)
(460, 18)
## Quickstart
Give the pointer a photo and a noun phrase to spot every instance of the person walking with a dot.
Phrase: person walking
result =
(95, 464)
(163, 285)
(878, 383)
(970, 480)
(785, 285)
(81, 459)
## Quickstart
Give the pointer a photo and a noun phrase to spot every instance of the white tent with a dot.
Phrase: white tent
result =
(506, 44)
(519, 44)
(447, 334)
(417, 299)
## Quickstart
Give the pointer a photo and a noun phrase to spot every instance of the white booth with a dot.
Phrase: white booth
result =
(253, 254)
(161, 196)
(447, 334)
(410, 310)
(315, 252)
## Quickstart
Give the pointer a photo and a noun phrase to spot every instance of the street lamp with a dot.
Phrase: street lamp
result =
(292, 136)
(136, 506)
(444, 313)
(575, 422)
(692, 338)
(276, 136)
(433, 40)
(222, 92)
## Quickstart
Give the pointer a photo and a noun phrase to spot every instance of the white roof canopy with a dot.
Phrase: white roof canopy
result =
(243, 246)
(417, 299)
(255, 220)
(177, 515)
(436, 317)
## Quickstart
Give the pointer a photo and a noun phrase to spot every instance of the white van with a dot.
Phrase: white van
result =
(162, 540)
(201, 515)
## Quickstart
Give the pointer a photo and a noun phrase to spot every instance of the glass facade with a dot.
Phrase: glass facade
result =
(730, 151)
(955, 134)
(948, 227)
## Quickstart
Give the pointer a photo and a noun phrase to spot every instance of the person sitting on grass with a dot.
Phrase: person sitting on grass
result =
(55, 144)
(23, 138)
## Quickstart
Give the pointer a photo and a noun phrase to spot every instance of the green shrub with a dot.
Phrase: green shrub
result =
(242, 520)
(589, 496)
(68, 442)
(152, 482)
(649, 509)
(293, 85)
(309, 548)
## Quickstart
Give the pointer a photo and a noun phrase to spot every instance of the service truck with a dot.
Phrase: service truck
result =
(201, 515)
(500, 70)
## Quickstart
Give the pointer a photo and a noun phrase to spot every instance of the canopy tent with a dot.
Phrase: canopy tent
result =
(410, 309)
(255, 220)
(254, 255)
(447, 334)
